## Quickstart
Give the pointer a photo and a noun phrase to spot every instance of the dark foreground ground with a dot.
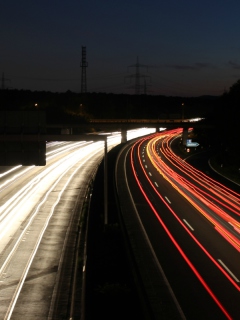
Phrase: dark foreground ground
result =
(110, 293)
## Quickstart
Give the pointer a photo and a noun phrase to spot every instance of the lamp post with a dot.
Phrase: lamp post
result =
(182, 111)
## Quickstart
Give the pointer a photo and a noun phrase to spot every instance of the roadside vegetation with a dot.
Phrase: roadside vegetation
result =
(223, 140)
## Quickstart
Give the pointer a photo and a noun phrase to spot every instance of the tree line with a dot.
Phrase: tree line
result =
(105, 105)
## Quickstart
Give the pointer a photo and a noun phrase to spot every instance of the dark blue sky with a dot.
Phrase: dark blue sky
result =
(192, 47)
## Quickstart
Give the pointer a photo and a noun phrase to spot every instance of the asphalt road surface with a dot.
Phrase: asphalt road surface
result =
(39, 219)
(191, 224)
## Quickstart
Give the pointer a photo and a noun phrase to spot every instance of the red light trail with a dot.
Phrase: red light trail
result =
(215, 202)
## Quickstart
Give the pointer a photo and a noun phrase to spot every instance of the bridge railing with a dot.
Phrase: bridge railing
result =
(137, 120)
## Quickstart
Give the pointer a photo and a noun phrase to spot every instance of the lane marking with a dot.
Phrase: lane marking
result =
(156, 184)
(167, 199)
(188, 224)
(145, 166)
(150, 173)
(228, 270)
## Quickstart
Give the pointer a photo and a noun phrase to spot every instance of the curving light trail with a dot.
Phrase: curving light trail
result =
(44, 185)
(218, 204)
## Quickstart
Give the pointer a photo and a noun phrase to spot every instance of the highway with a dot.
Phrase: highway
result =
(191, 224)
(37, 205)
(39, 220)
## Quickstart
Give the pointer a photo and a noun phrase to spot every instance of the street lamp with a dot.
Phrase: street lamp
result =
(182, 111)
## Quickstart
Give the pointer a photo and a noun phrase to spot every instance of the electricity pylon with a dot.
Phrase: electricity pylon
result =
(137, 77)
(3, 81)
(84, 66)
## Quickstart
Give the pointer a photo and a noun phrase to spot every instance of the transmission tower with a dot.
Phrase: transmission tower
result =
(84, 65)
(3, 81)
(137, 76)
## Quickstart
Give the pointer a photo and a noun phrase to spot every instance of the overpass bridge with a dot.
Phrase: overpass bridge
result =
(123, 125)
(23, 133)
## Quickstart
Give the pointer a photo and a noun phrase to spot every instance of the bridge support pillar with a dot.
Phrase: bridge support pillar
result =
(184, 136)
(124, 135)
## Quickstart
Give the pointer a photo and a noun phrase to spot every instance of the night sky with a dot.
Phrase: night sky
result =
(191, 47)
